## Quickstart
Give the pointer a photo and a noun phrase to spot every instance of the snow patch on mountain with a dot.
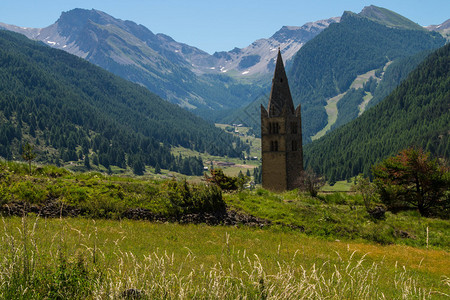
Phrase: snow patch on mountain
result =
(78, 31)
(258, 58)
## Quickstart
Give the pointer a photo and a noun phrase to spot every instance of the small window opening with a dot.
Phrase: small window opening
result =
(294, 127)
(274, 127)
(274, 146)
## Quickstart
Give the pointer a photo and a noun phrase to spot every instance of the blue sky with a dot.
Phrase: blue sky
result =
(217, 25)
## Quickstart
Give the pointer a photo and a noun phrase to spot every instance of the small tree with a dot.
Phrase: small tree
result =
(87, 162)
(367, 190)
(28, 154)
(413, 179)
(157, 169)
(242, 180)
(138, 166)
(95, 159)
(223, 181)
(310, 182)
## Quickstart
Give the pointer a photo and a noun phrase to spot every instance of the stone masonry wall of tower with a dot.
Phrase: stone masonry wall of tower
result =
(281, 136)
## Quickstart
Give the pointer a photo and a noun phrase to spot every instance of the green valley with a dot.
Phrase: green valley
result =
(71, 110)
(108, 191)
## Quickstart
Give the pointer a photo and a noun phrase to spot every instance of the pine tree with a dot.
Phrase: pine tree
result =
(157, 169)
(28, 154)
(87, 163)
(138, 166)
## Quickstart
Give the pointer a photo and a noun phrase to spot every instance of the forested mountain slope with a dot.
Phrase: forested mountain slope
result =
(135, 53)
(376, 88)
(415, 114)
(62, 104)
(328, 64)
(360, 58)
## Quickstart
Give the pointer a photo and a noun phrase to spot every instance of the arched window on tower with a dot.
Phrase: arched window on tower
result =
(274, 127)
(294, 128)
(274, 146)
(294, 146)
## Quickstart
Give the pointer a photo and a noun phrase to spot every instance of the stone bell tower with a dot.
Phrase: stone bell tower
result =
(281, 136)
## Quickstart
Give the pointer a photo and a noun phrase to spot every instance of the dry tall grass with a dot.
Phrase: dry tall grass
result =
(29, 270)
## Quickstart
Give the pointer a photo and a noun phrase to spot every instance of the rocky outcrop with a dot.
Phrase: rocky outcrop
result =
(53, 209)
(50, 209)
(229, 218)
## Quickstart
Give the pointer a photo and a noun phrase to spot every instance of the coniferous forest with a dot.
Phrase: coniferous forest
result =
(415, 114)
(70, 110)
(327, 65)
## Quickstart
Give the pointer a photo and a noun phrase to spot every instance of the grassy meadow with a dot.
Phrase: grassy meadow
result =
(316, 247)
(84, 258)
(342, 216)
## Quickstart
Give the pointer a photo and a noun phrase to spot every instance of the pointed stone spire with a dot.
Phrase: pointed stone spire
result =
(280, 95)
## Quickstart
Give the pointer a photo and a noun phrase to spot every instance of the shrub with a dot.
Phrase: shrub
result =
(367, 190)
(185, 198)
(262, 192)
(310, 182)
(29, 192)
(335, 198)
(413, 180)
(226, 183)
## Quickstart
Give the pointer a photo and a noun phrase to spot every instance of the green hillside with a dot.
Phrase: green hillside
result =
(375, 89)
(328, 64)
(70, 110)
(415, 114)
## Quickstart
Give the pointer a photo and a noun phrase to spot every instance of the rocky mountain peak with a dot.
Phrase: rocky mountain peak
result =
(443, 29)
(388, 18)
(443, 26)
(303, 33)
(78, 17)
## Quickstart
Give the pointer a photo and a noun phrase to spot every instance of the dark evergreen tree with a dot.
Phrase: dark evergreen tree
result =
(138, 166)
(87, 163)
(257, 175)
(157, 169)
(186, 168)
